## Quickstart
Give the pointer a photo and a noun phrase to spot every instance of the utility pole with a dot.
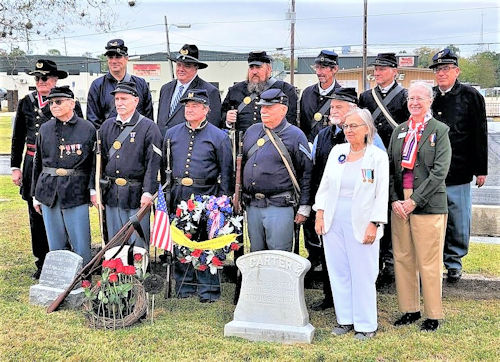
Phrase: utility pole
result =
(291, 15)
(168, 50)
(365, 22)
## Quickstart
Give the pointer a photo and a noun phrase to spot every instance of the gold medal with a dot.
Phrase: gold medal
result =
(247, 100)
(117, 145)
(78, 152)
(260, 142)
(318, 116)
(132, 140)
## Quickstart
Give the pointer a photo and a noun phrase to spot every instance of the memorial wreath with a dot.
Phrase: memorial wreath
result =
(207, 218)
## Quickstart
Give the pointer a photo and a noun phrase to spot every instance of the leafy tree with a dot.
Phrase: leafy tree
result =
(104, 63)
(425, 55)
(16, 52)
(482, 68)
(53, 52)
(454, 49)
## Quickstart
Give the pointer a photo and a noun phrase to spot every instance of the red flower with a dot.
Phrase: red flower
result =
(98, 284)
(235, 246)
(137, 257)
(113, 278)
(108, 264)
(129, 270)
(118, 262)
(120, 269)
(86, 284)
(178, 212)
(188, 235)
(191, 205)
(196, 253)
(216, 261)
(203, 267)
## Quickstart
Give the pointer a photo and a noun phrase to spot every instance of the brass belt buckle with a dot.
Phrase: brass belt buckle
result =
(187, 181)
(260, 196)
(120, 181)
(61, 172)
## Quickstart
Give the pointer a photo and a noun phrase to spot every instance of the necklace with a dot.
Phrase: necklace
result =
(356, 152)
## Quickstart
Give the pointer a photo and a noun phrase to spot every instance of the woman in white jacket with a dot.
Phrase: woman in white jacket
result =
(351, 206)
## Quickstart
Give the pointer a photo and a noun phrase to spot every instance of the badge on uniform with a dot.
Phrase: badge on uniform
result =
(79, 149)
(318, 116)
(132, 137)
(61, 147)
(260, 142)
(432, 139)
(402, 135)
(247, 100)
(117, 145)
(368, 174)
(342, 158)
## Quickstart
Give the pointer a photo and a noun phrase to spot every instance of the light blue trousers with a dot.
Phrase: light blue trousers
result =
(270, 228)
(117, 217)
(68, 225)
(456, 244)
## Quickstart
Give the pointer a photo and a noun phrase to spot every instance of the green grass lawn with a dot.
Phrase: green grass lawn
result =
(5, 133)
(188, 330)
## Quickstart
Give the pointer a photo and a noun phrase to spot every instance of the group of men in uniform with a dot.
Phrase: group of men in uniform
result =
(283, 154)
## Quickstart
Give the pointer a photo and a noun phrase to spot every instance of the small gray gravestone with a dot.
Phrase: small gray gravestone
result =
(59, 270)
(271, 306)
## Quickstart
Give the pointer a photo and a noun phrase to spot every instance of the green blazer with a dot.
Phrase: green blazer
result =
(431, 167)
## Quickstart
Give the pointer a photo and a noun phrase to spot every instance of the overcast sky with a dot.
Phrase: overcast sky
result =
(245, 25)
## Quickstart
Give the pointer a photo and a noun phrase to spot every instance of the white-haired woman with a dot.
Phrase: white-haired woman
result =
(351, 206)
(420, 155)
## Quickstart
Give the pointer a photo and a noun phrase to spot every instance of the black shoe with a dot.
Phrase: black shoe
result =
(36, 275)
(203, 300)
(407, 318)
(429, 325)
(324, 304)
(454, 275)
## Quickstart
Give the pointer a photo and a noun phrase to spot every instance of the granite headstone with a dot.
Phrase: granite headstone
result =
(271, 306)
(58, 271)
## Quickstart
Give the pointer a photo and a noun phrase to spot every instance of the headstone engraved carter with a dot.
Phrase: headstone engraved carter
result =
(59, 270)
(271, 306)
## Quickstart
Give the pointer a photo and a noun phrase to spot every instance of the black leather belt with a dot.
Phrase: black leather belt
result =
(188, 181)
(261, 196)
(52, 171)
(121, 181)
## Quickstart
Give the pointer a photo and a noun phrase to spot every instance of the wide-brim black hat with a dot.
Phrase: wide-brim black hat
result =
(45, 67)
(345, 94)
(189, 54)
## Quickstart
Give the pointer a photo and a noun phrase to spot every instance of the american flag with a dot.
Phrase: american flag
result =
(160, 237)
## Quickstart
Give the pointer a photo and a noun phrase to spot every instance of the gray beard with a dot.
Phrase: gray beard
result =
(256, 87)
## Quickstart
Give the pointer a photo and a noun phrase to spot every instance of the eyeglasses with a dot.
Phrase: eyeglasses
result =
(42, 78)
(352, 126)
(445, 68)
(417, 99)
(56, 101)
(115, 56)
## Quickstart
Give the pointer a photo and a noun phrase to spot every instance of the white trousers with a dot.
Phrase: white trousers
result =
(353, 270)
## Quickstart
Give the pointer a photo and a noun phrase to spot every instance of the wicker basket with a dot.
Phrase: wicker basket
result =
(101, 322)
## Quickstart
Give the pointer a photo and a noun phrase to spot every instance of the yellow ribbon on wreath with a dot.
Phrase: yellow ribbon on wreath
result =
(212, 244)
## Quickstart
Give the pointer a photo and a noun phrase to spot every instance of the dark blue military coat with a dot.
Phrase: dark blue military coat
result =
(166, 93)
(463, 110)
(137, 160)
(264, 171)
(29, 119)
(77, 138)
(310, 103)
(200, 154)
(251, 113)
(326, 139)
(398, 109)
(101, 103)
